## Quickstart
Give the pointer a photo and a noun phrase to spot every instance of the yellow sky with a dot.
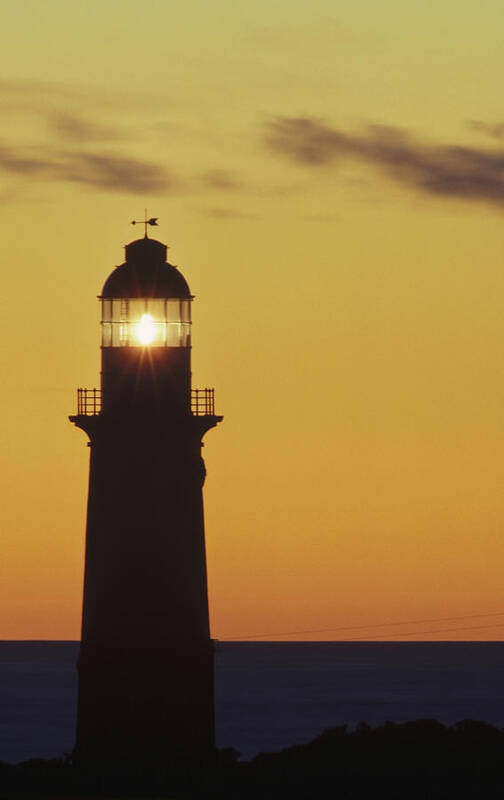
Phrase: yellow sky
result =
(330, 181)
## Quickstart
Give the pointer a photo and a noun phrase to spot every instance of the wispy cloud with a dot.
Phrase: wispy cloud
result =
(103, 171)
(74, 139)
(68, 148)
(25, 162)
(118, 173)
(77, 129)
(437, 169)
(493, 129)
(221, 179)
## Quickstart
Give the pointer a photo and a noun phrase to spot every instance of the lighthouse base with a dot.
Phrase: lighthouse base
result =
(133, 720)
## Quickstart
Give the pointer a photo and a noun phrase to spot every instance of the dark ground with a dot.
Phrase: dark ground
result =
(421, 759)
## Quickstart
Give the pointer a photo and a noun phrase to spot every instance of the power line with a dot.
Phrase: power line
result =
(370, 626)
(423, 633)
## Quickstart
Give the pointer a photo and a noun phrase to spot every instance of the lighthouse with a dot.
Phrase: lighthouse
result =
(145, 669)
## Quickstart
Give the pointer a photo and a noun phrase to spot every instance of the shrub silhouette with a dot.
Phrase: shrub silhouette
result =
(413, 760)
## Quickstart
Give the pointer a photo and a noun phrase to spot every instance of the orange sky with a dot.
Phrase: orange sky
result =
(330, 182)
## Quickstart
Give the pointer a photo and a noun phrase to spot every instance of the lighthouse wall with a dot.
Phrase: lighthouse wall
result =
(146, 662)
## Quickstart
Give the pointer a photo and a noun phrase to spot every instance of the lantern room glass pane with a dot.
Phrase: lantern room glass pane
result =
(173, 334)
(106, 334)
(173, 310)
(118, 310)
(136, 310)
(185, 310)
(106, 310)
(155, 306)
(185, 334)
(116, 335)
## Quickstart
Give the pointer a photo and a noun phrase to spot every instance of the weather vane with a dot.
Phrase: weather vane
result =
(145, 222)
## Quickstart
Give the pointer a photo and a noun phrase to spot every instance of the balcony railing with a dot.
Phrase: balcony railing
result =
(203, 402)
(89, 402)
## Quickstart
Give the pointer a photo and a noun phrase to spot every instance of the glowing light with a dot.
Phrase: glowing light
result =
(146, 329)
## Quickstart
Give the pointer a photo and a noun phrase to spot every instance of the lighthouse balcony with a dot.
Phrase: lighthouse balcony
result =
(203, 402)
(89, 402)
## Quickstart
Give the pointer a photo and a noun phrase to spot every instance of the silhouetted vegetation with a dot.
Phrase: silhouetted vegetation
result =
(421, 759)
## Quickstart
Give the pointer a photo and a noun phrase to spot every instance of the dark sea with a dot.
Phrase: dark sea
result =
(270, 695)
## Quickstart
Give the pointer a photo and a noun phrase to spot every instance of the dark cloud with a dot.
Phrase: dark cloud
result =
(73, 113)
(76, 129)
(103, 171)
(493, 129)
(23, 162)
(74, 155)
(442, 170)
(304, 139)
(118, 173)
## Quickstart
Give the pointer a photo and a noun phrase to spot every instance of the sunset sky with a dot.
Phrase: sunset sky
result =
(330, 180)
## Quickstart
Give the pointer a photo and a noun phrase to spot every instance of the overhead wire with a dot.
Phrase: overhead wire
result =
(371, 626)
(423, 633)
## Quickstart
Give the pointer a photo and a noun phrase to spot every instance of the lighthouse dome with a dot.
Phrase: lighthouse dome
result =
(146, 273)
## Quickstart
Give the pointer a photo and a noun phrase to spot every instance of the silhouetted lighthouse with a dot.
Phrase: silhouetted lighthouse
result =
(146, 660)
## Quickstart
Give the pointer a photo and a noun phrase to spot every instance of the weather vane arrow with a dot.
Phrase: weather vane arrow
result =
(145, 222)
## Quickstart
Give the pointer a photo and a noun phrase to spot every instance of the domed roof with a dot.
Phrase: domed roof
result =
(146, 273)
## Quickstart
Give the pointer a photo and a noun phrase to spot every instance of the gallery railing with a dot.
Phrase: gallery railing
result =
(89, 402)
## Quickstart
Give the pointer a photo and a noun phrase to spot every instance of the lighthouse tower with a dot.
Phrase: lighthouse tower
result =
(146, 662)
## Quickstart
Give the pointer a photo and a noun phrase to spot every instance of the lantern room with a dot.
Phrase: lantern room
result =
(146, 301)
(146, 333)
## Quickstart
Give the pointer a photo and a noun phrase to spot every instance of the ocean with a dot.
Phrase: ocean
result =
(270, 695)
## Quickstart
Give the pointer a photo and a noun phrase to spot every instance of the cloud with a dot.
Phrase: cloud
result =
(493, 129)
(221, 179)
(436, 169)
(75, 138)
(77, 129)
(103, 171)
(118, 173)
(21, 161)
(304, 139)
(75, 114)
